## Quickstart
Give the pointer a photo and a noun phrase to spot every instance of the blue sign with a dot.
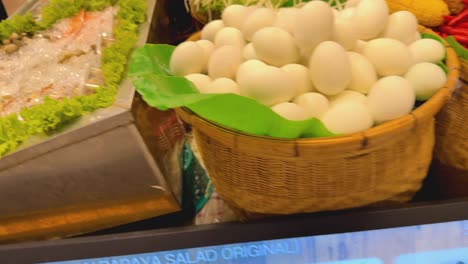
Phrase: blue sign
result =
(356, 261)
(237, 253)
(452, 256)
(443, 243)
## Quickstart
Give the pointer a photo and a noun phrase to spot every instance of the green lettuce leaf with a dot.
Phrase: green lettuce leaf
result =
(18, 24)
(149, 66)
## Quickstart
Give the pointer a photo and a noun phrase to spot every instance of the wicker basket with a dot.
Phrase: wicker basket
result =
(278, 176)
(451, 152)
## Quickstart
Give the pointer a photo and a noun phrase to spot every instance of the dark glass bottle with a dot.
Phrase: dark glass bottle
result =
(172, 22)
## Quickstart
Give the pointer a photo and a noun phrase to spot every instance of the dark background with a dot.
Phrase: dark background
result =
(3, 13)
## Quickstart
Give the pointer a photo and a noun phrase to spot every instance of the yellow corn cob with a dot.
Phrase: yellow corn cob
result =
(429, 13)
(455, 6)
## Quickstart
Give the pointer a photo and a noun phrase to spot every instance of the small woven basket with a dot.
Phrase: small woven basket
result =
(451, 152)
(262, 175)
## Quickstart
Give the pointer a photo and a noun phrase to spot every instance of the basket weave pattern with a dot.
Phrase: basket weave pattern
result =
(452, 127)
(386, 163)
(296, 177)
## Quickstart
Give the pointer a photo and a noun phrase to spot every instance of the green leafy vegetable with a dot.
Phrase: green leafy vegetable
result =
(56, 10)
(432, 36)
(461, 51)
(53, 115)
(156, 60)
(442, 65)
(18, 24)
(149, 66)
(59, 9)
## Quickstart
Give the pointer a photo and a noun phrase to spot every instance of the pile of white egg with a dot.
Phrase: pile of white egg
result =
(350, 68)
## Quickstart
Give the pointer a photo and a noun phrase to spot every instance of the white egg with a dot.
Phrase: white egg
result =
(347, 13)
(275, 46)
(259, 18)
(351, 3)
(229, 36)
(330, 68)
(401, 26)
(389, 56)
(208, 48)
(313, 24)
(268, 85)
(391, 97)
(370, 18)
(336, 13)
(221, 86)
(363, 74)
(289, 111)
(252, 8)
(416, 37)
(359, 46)
(285, 18)
(201, 81)
(346, 96)
(234, 15)
(224, 62)
(304, 58)
(299, 74)
(247, 67)
(314, 104)
(347, 118)
(426, 79)
(249, 52)
(209, 30)
(187, 58)
(343, 34)
(427, 50)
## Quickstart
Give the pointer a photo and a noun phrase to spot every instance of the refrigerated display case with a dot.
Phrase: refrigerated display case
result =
(424, 233)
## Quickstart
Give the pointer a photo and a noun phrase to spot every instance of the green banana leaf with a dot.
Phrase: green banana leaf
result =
(149, 69)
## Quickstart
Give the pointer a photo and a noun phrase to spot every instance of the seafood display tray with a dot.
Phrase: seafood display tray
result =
(100, 172)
